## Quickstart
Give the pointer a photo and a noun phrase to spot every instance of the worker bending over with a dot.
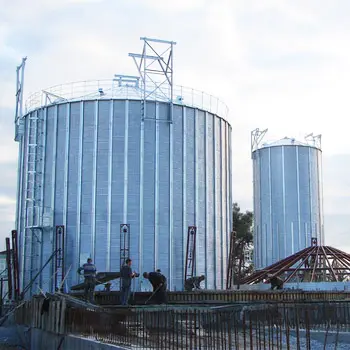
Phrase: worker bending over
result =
(276, 282)
(194, 283)
(158, 282)
(89, 279)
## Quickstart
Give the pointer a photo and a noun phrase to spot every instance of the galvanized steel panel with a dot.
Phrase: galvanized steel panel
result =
(99, 174)
(287, 201)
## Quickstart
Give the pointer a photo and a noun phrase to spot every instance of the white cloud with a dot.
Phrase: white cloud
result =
(4, 200)
(176, 6)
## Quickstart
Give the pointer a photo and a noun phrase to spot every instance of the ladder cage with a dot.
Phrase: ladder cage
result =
(33, 192)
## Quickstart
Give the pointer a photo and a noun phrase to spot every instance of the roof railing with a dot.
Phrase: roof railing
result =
(112, 89)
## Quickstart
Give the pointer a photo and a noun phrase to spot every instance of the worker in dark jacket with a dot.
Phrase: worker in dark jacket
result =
(158, 282)
(194, 283)
(126, 275)
(89, 279)
(276, 282)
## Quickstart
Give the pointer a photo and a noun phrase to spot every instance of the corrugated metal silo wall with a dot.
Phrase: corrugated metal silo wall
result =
(287, 201)
(94, 162)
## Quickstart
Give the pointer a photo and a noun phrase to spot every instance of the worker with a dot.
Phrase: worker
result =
(276, 282)
(126, 275)
(89, 279)
(194, 283)
(108, 287)
(158, 282)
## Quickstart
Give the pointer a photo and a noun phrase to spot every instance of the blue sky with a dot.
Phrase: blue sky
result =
(284, 65)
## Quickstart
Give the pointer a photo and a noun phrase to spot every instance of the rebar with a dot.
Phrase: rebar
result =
(260, 326)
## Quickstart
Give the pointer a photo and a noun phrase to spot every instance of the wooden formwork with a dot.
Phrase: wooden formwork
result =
(31, 314)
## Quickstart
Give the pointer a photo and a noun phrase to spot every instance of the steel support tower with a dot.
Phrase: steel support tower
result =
(19, 125)
(155, 66)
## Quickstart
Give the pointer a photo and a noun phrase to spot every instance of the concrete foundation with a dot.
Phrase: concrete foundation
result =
(45, 340)
(33, 338)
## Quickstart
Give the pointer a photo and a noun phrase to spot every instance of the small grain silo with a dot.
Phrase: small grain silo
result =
(288, 204)
(97, 155)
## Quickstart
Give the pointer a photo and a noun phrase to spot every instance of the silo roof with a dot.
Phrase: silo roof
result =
(109, 89)
(287, 141)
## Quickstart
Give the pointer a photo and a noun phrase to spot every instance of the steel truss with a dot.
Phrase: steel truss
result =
(313, 264)
(155, 66)
(315, 140)
(257, 136)
(19, 99)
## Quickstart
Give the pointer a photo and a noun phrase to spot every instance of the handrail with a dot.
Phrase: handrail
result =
(109, 89)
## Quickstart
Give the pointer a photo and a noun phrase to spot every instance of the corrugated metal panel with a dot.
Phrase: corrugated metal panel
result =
(287, 201)
(104, 166)
(200, 192)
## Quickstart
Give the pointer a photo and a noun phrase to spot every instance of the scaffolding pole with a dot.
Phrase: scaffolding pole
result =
(15, 264)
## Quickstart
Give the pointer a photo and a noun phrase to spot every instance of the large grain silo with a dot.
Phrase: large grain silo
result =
(288, 204)
(97, 155)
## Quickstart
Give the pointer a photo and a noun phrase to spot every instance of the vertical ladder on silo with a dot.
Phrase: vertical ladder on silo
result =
(231, 262)
(59, 271)
(34, 175)
(190, 252)
(143, 110)
(124, 243)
